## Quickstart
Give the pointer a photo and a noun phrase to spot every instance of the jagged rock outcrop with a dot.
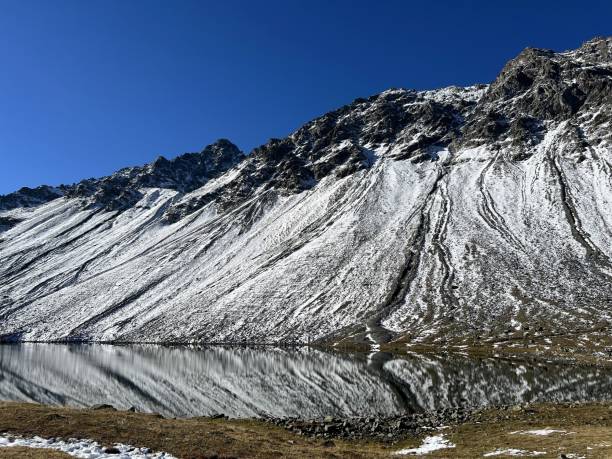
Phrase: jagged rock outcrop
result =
(454, 214)
(539, 87)
(30, 197)
(120, 191)
(184, 173)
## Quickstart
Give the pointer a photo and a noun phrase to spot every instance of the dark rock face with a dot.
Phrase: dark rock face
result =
(120, 191)
(185, 173)
(30, 197)
(103, 407)
(537, 87)
(7, 223)
(540, 86)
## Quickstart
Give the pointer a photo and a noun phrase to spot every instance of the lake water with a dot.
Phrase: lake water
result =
(247, 382)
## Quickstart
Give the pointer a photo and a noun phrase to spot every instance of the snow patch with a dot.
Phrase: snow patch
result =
(541, 432)
(429, 444)
(514, 452)
(87, 449)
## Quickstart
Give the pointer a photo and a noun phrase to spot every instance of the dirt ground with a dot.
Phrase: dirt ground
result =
(582, 431)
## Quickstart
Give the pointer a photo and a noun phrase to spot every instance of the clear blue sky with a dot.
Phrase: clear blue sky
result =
(90, 86)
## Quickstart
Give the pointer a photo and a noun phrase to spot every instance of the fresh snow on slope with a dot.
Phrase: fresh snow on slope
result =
(454, 214)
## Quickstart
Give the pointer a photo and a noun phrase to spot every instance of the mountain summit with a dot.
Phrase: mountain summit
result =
(450, 215)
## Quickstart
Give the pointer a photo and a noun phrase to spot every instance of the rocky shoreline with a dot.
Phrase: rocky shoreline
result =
(397, 428)
(385, 429)
(391, 429)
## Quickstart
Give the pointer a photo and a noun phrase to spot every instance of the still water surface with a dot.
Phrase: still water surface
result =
(247, 382)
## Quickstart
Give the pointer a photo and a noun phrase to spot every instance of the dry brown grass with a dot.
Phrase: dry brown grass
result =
(586, 426)
(588, 432)
(185, 438)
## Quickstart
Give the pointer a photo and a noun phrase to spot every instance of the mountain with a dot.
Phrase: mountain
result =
(422, 216)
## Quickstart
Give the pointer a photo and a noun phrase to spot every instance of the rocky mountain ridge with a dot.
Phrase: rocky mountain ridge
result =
(409, 215)
(184, 173)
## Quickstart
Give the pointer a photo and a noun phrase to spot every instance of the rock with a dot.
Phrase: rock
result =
(329, 444)
(29, 197)
(111, 450)
(389, 430)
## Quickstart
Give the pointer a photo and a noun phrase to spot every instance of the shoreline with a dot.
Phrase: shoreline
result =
(593, 349)
(553, 429)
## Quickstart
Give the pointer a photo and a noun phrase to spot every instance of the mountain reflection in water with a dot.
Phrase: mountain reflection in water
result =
(249, 382)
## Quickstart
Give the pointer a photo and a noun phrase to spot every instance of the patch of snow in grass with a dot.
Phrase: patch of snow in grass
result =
(541, 432)
(86, 449)
(514, 452)
(429, 444)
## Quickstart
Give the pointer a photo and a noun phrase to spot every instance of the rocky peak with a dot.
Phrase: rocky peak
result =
(30, 197)
(187, 171)
(222, 152)
(597, 51)
(537, 88)
(120, 190)
(184, 173)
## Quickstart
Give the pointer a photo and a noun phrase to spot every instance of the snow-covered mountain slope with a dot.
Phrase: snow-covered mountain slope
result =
(425, 216)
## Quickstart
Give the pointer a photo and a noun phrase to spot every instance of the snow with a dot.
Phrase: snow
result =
(430, 444)
(454, 93)
(514, 452)
(541, 432)
(86, 449)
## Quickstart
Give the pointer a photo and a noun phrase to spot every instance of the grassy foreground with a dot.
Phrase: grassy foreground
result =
(586, 431)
